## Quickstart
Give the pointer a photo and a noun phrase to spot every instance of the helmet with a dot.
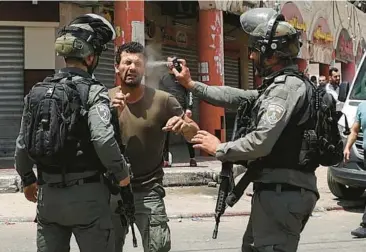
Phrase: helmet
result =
(85, 35)
(270, 34)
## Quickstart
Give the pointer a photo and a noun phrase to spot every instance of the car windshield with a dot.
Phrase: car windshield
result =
(359, 88)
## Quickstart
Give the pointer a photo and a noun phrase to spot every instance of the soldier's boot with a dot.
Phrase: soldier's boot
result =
(360, 232)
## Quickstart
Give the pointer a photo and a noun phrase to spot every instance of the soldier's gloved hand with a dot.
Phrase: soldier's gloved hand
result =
(120, 101)
(125, 182)
(30, 192)
(184, 77)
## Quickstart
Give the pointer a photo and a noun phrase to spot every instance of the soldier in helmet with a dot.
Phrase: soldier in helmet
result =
(285, 190)
(76, 200)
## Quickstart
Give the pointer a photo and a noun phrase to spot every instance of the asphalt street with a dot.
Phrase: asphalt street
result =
(327, 231)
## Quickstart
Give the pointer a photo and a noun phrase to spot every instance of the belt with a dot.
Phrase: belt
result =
(276, 187)
(92, 179)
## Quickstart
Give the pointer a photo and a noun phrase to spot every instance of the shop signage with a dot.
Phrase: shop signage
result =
(321, 45)
(344, 50)
(293, 15)
(361, 49)
(178, 37)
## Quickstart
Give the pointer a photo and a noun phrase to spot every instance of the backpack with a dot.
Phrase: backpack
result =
(326, 138)
(56, 106)
(330, 144)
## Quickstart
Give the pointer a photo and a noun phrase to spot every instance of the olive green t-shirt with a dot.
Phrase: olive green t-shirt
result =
(141, 126)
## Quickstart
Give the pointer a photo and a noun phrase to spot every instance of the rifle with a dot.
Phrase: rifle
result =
(229, 193)
(126, 206)
(226, 184)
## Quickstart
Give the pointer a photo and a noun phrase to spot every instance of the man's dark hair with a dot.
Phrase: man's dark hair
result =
(333, 69)
(313, 78)
(130, 47)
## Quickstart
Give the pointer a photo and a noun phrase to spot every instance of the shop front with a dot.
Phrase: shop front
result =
(27, 36)
(293, 16)
(105, 72)
(232, 78)
(321, 46)
(344, 55)
(361, 49)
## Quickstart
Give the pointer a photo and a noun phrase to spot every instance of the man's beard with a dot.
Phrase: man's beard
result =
(135, 83)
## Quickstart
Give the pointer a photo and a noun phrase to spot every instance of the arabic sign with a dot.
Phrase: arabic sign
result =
(361, 49)
(344, 50)
(321, 45)
(178, 37)
(293, 15)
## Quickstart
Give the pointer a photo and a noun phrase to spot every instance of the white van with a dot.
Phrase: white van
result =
(348, 181)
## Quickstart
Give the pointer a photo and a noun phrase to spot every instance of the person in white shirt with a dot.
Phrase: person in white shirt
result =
(333, 86)
(334, 79)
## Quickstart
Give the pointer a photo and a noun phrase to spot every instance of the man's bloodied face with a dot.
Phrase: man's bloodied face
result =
(131, 68)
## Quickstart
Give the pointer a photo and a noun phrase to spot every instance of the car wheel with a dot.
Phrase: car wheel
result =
(342, 191)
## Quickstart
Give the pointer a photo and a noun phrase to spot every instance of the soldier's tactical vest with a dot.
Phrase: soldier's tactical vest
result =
(289, 151)
(57, 136)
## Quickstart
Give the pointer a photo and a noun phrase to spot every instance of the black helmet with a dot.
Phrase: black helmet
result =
(85, 35)
(270, 34)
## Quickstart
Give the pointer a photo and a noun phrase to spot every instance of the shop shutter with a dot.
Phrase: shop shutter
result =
(250, 75)
(105, 70)
(191, 56)
(11, 87)
(232, 79)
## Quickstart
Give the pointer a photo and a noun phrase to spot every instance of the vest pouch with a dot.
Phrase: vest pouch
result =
(309, 154)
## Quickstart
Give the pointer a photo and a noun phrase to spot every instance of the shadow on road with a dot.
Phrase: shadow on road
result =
(354, 206)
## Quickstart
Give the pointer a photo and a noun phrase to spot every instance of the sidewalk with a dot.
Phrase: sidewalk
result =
(181, 202)
(180, 174)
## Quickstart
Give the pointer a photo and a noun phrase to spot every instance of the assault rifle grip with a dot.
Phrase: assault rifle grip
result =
(126, 210)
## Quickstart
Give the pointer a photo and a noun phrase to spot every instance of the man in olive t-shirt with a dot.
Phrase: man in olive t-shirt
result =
(145, 114)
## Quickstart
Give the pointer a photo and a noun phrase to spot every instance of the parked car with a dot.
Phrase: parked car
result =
(348, 181)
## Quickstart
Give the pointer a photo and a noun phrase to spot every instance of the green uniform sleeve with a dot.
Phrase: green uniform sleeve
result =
(277, 105)
(222, 96)
(23, 164)
(102, 133)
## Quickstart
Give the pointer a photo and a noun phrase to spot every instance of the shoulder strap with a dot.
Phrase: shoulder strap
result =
(83, 86)
(300, 114)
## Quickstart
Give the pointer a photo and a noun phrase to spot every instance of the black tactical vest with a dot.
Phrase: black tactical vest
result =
(288, 151)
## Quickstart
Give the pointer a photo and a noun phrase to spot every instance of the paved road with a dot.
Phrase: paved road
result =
(328, 231)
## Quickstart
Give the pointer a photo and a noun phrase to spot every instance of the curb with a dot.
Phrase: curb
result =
(193, 216)
(12, 183)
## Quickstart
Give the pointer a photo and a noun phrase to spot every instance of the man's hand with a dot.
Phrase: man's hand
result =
(125, 182)
(184, 77)
(346, 154)
(120, 100)
(176, 124)
(30, 192)
(206, 142)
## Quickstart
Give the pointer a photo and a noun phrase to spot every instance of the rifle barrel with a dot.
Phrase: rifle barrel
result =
(134, 240)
